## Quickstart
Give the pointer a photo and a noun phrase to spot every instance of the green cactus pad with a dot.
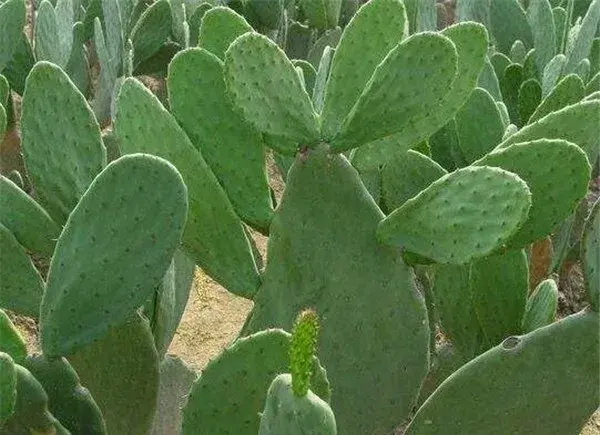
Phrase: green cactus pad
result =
(108, 75)
(30, 224)
(384, 108)
(593, 86)
(8, 387)
(21, 286)
(121, 371)
(568, 91)
(583, 69)
(321, 14)
(286, 413)
(69, 401)
(500, 62)
(591, 256)
(530, 96)
(62, 158)
(577, 123)
(302, 350)
(476, 139)
(458, 318)
(131, 253)
(518, 52)
(510, 83)
(12, 20)
(541, 306)
(151, 31)
(220, 26)
(264, 85)
(346, 272)
(444, 362)
(214, 237)
(78, 67)
(541, 22)
(508, 23)
(553, 198)
(463, 215)
(560, 26)
(195, 21)
(231, 391)
(471, 43)
(405, 175)
(176, 380)
(530, 69)
(377, 27)
(31, 415)
(330, 38)
(552, 73)
(47, 46)
(488, 80)
(499, 285)
(321, 80)
(230, 145)
(585, 37)
(508, 390)
(308, 72)
(10, 339)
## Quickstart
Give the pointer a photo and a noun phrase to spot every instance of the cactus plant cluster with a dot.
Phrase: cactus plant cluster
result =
(424, 167)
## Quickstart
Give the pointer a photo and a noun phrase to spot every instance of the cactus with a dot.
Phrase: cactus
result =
(11, 342)
(591, 256)
(8, 387)
(508, 23)
(151, 30)
(567, 91)
(54, 32)
(530, 96)
(12, 20)
(541, 22)
(231, 390)
(541, 306)
(152, 205)
(220, 26)
(585, 38)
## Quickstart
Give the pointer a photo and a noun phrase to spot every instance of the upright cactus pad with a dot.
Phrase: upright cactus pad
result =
(553, 198)
(10, 339)
(384, 108)
(264, 85)
(62, 157)
(26, 219)
(321, 14)
(231, 146)
(591, 256)
(214, 237)
(541, 383)
(463, 215)
(147, 199)
(231, 391)
(302, 349)
(151, 31)
(220, 26)
(346, 272)
(12, 20)
(8, 387)
(377, 27)
(541, 306)
(568, 91)
(287, 413)
(21, 286)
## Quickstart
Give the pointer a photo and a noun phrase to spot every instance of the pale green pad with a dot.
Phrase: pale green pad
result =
(499, 285)
(264, 85)
(318, 93)
(214, 237)
(425, 65)
(121, 371)
(454, 304)
(489, 81)
(347, 271)
(21, 286)
(471, 43)
(568, 91)
(10, 339)
(541, 22)
(530, 96)
(585, 37)
(231, 146)
(151, 31)
(377, 27)
(308, 72)
(69, 401)
(405, 175)
(8, 387)
(62, 156)
(508, 23)
(560, 25)
(552, 73)
(231, 391)
(541, 306)
(176, 380)
(195, 21)
(46, 43)
(518, 52)
(330, 38)
(219, 28)
(285, 413)
(145, 200)
(479, 125)
(463, 215)
(553, 198)
(542, 383)
(30, 224)
(12, 20)
(321, 14)
(591, 256)
(577, 123)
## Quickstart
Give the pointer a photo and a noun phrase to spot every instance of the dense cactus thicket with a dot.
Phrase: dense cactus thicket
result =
(430, 152)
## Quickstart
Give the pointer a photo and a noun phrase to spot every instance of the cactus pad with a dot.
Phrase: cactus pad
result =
(8, 387)
(541, 306)
(568, 91)
(553, 198)
(231, 390)
(463, 215)
(264, 85)
(220, 26)
(132, 251)
(321, 14)
(591, 256)
(12, 20)
(346, 272)
(214, 237)
(10, 339)
(559, 366)
(62, 158)
(151, 30)
(231, 146)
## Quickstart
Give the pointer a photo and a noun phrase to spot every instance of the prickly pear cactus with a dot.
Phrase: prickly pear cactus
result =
(591, 256)
(541, 306)
(8, 387)
(11, 342)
